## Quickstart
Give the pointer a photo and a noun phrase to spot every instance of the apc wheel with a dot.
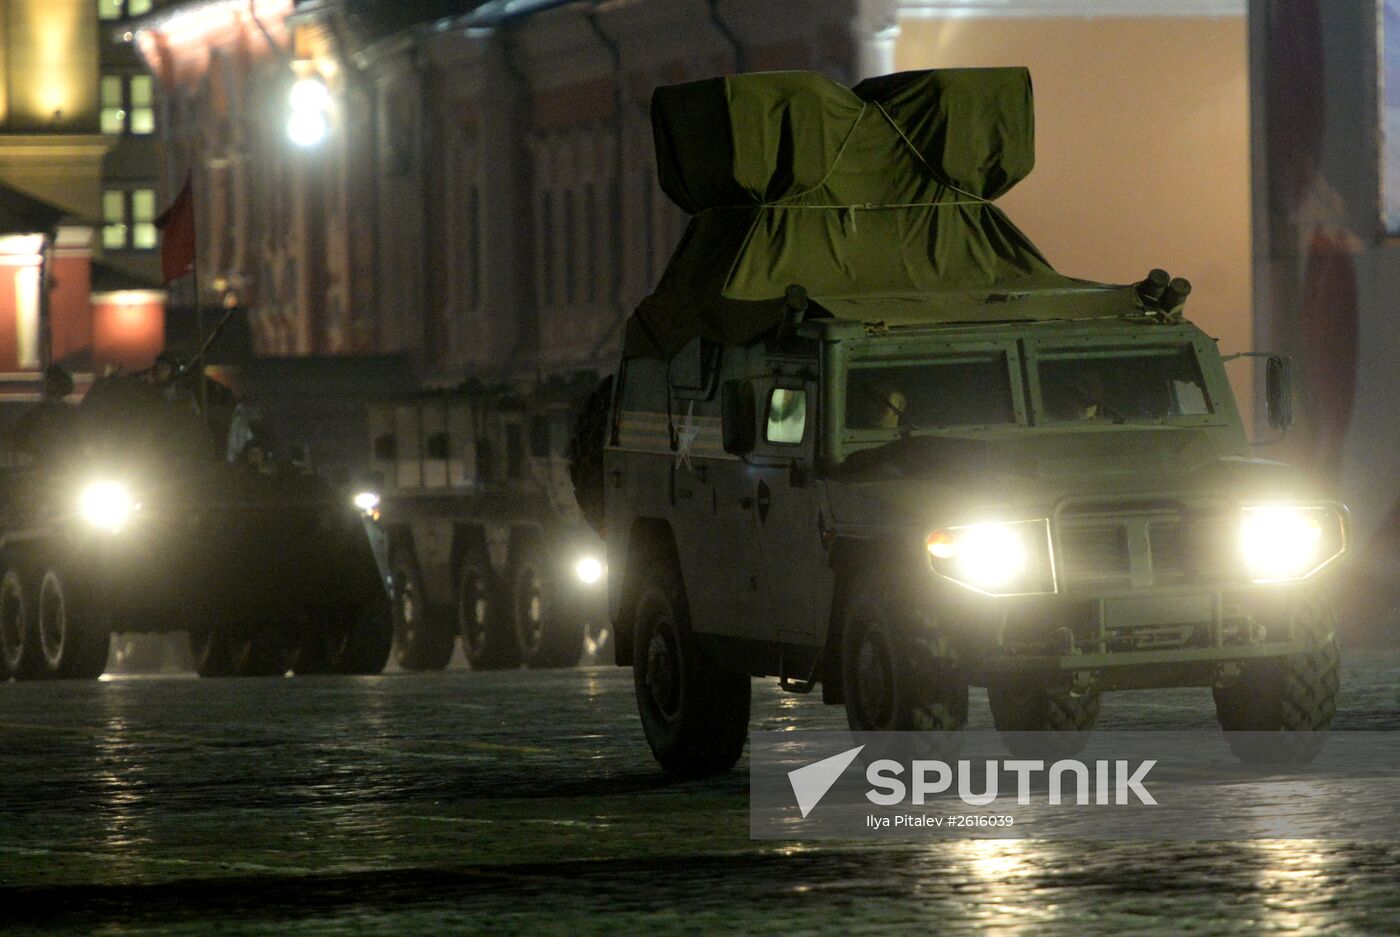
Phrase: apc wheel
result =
(546, 633)
(487, 640)
(72, 642)
(695, 715)
(19, 642)
(1293, 699)
(353, 640)
(209, 648)
(220, 652)
(1037, 720)
(419, 643)
(896, 673)
(263, 651)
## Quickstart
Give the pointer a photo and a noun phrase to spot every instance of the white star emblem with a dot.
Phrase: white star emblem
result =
(685, 438)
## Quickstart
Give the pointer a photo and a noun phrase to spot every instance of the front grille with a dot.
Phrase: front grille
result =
(1145, 545)
(1097, 553)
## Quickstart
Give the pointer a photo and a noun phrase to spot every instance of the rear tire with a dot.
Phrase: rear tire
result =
(73, 644)
(545, 631)
(18, 640)
(1038, 720)
(1286, 705)
(420, 643)
(695, 714)
(487, 641)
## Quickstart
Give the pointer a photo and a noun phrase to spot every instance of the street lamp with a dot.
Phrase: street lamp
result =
(309, 122)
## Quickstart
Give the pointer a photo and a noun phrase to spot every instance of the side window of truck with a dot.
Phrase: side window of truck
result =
(694, 371)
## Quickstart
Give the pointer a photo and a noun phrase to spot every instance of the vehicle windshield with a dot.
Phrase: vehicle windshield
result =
(965, 390)
(1121, 385)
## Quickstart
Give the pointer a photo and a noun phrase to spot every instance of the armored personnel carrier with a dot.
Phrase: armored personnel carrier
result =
(864, 437)
(486, 541)
(142, 524)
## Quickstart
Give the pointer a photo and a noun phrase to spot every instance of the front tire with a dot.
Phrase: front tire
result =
(1039, 720)
(695, 714)
(1284, 706)
(419, 641)
(896, 670)
(72, 643)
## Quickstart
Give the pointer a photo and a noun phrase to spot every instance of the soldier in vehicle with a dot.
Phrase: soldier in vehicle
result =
(878, 404)
(169, 376)
(50, 428)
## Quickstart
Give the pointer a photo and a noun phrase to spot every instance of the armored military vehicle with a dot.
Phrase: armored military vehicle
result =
(485, 538)
(865, 437)
(141, 524)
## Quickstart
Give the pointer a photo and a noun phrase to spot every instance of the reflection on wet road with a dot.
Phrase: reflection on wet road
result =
(527, 802)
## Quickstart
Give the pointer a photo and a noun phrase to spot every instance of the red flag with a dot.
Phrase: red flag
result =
(176, 226)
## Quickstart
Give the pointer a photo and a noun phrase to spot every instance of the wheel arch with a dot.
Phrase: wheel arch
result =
(648, 538)
(849, 559)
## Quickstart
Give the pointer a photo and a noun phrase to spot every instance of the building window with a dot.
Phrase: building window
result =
(128, 219)
(121, 9)
(128, 104)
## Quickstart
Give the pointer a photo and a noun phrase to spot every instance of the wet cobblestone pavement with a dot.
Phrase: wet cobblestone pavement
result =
(527, 802)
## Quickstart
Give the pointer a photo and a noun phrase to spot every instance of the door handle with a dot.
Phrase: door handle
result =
(764, 499)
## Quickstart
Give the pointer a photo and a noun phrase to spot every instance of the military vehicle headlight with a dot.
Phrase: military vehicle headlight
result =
(107, 505)
(367, 502)
(1286, 543)
(995, 558)
(589, 570)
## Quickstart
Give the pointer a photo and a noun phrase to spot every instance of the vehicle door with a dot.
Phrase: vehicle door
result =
(716, 534)
(785, 502)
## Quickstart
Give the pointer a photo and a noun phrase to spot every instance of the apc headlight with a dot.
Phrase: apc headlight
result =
(995, 558)
(107, 505)
(367, 503)
(1286, 543)
(589, 570)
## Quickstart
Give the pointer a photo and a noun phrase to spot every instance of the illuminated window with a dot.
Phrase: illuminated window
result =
(113, 105)
(121, 9)
(128, 219)
(141, 97)
(128, 104)
(114, 220)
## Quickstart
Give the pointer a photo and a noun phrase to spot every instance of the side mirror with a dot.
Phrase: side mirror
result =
(738, 417)
(1278, 391)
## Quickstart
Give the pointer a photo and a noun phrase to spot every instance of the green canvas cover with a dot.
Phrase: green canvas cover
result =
(877, 200)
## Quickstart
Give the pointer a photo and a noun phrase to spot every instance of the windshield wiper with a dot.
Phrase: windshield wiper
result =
(903, 424)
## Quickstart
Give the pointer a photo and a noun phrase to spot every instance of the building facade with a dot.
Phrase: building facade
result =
(69, 292)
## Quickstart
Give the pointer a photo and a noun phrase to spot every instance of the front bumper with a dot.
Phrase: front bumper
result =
(1140, 639)
(158, 572)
